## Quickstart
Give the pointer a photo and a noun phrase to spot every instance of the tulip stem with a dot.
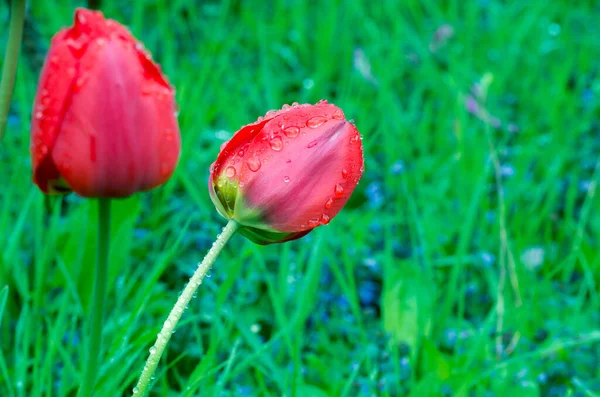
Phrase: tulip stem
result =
(96, 320)
(11, 58)
(170, 323)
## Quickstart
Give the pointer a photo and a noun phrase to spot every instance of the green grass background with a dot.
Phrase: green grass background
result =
(466, 263)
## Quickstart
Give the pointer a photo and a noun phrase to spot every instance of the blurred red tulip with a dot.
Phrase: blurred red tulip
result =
(287, 173)
(104, 120)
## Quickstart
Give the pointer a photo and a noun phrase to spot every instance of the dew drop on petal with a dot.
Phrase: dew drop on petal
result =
(254, 164)
(276, 143)
(312, 144)
(324, 219)
(329, 203)
(339, 190)
(230, 172)
(345, 173)
(313, 223)
(338, 115)
(164, 168)
(291, 132)
(316, 122)
(286, 179)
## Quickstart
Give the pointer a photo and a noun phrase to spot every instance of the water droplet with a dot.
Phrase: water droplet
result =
(312, 144)
(345, 173)
(324, 219)
(38, 115)
(100, 41)
(230, 172)
(254, 164)
(329, 203)
(271, 113)
(339, 190)
(135, 390)
(80, 18)
(285, 107)
(338, 115)
(241, 153)
(355, 138)
(152, 350)
(316, 122)
(276, 143)
(313, 223)
(294, 104)
(291, 132)
(164, 168)
(289, 161)
(286, 179)
(80, 82)
(220, 183)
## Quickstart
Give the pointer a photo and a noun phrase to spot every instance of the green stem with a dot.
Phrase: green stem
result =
(157, 350)
(11, 58)
(96, 320)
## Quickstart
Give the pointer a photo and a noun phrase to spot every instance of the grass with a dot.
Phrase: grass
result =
(467, 262)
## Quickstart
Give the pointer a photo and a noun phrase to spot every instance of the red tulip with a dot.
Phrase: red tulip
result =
(104, 120)
(287, 173)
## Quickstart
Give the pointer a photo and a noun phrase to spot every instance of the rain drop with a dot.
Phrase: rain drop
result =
(285, 107)
(230, 172)
(329, 203)
(338, 115)
(312, 144)
(38, 115)
(316, 122)
(276, 143)
(339, 190)
(80, 82)
(254, 164)
(164, 168)
(152, 350)
(324, 219)
(291, 132)
(286, 179)
(345, 173)
(80, 18)
(136, 390)
(313, 223)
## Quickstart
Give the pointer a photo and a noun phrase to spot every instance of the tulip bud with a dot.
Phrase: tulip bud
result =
(287, 173)
(104, 120)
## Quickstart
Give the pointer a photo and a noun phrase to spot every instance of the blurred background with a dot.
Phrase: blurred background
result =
(467, 262)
